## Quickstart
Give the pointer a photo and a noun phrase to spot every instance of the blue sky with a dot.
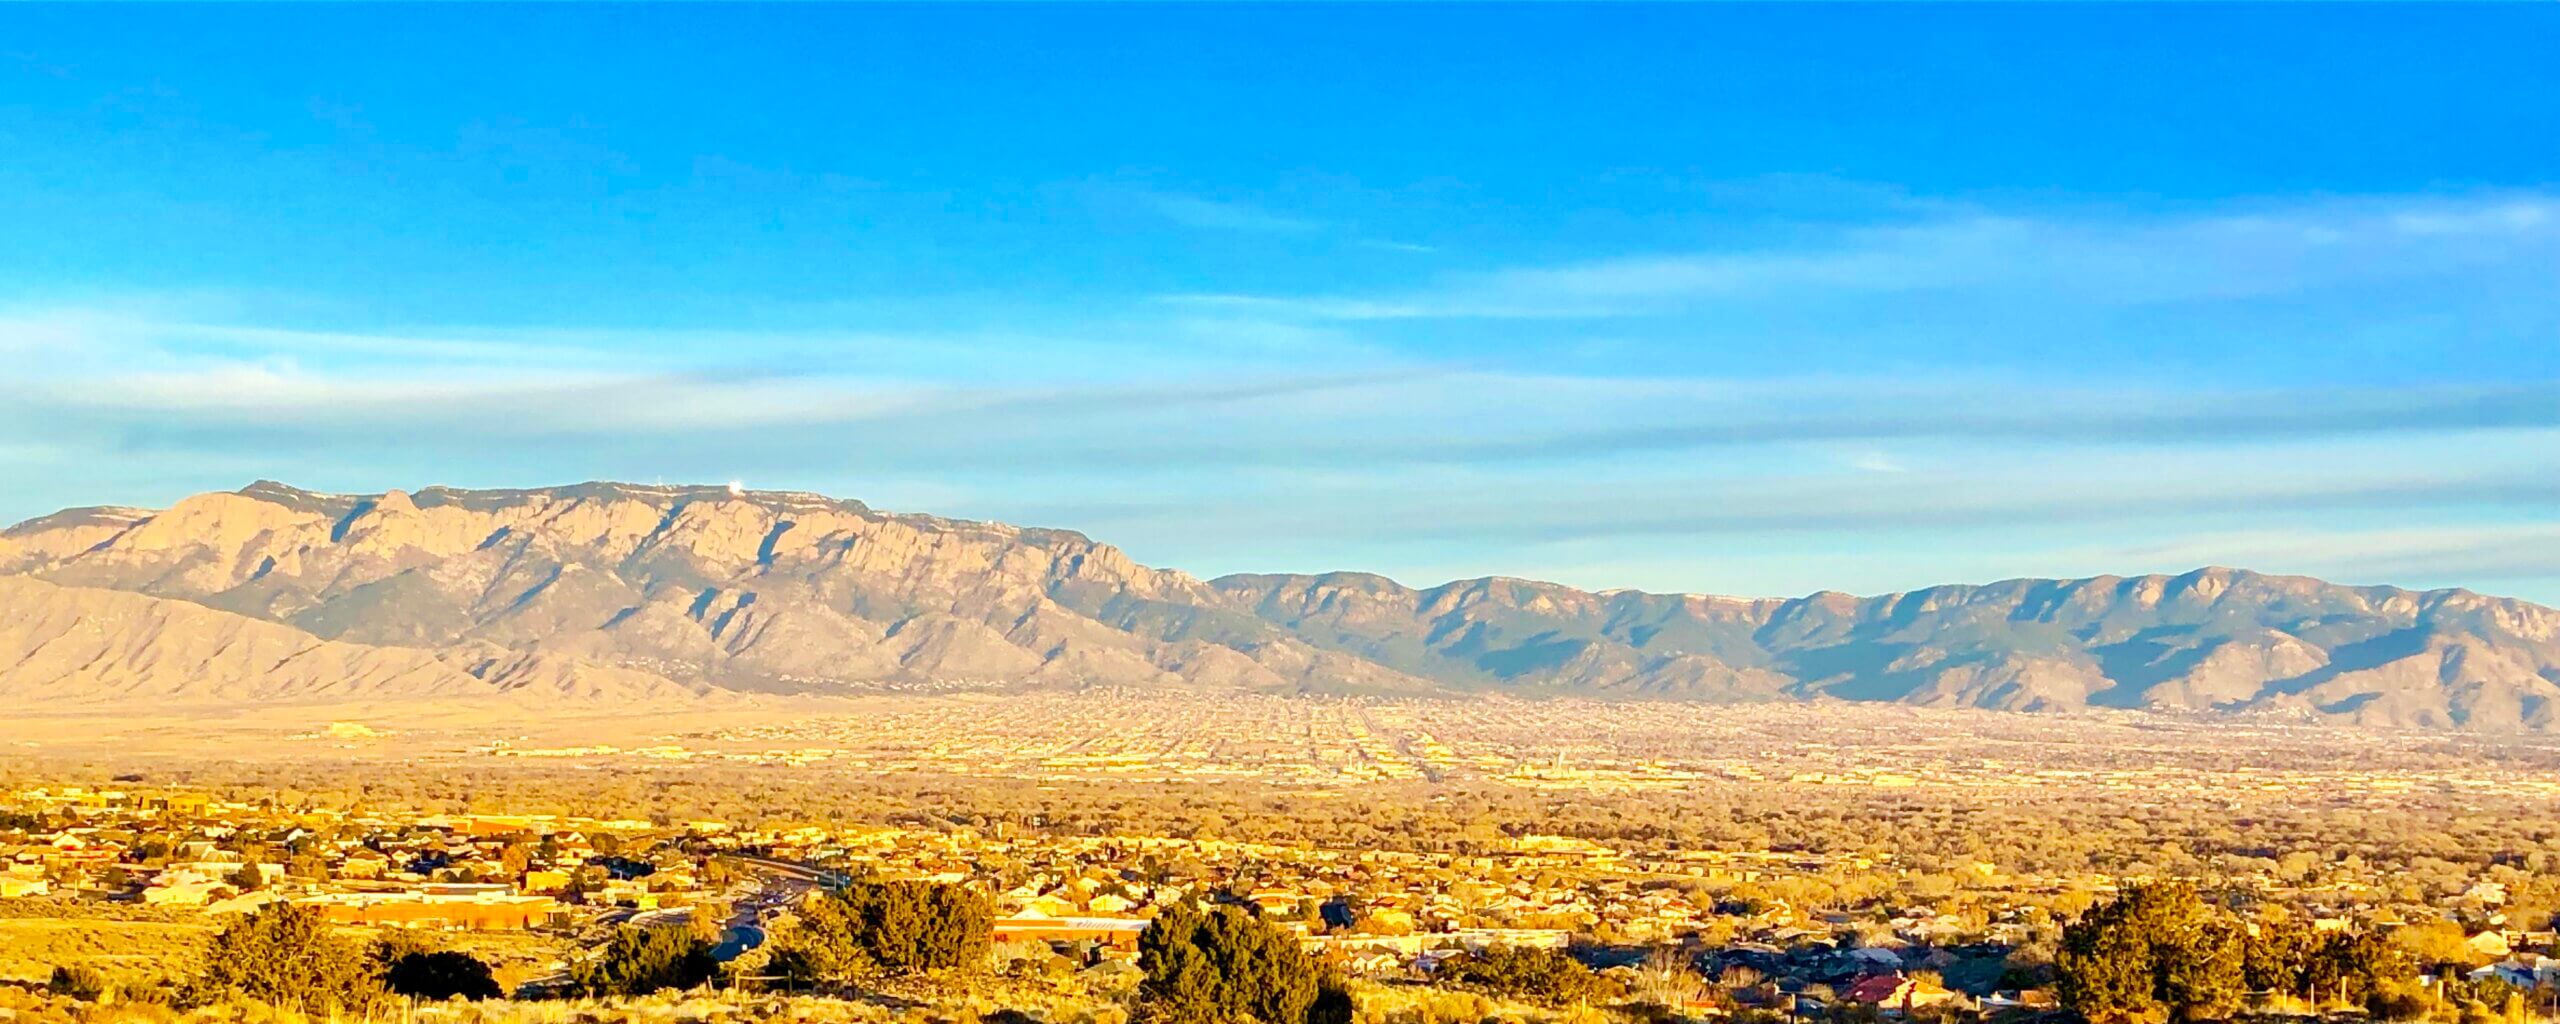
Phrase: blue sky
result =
(1728, 299)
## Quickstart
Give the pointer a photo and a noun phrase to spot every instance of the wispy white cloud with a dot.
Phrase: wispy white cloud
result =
(2089, 258)
(119, 335)
(1390, 467)
(88, 332)
(1231, 216)
(1274, 432)
(2484, 553)
(1194, 211)
(1662, 455)
(1877, 462)
(1270, 394)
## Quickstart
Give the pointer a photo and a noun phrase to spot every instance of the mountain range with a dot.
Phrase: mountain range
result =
(607, 592)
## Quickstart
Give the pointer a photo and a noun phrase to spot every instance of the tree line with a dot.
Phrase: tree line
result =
(867, 930)
(2160, 952)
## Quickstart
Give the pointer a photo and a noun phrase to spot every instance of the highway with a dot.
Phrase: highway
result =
(783, 883)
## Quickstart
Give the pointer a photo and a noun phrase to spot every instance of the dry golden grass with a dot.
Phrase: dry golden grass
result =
(151, 947)
(30, 1005)
(137, 956)
(30, 948)
(1378, 1005)
(1420, 1004)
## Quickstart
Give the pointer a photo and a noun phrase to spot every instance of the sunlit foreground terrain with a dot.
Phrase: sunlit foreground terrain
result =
(1427, 860)
(1169, 736)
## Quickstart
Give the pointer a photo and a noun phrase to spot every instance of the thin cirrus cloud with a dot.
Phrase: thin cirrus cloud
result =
(1196, 212)
(2089, 259)
(1217, 215)
(1361, 470)
(1269, 432)
(2512, 559)
(2023, 484)
(1386, 413)
(2495, 553)
(1395, 451)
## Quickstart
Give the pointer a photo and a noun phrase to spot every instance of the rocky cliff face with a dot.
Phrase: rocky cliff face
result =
(695, 587)
(610, 591)
(2211, 640)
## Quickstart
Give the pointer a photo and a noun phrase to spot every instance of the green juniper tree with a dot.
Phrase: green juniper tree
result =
(2157, 953)
(638, 961)
(285, 956)
(1225, 965)
(874, 929)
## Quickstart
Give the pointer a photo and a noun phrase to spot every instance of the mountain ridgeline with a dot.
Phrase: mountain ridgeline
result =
(606, 592)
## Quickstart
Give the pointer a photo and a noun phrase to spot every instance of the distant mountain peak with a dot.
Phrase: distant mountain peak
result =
(618, 590)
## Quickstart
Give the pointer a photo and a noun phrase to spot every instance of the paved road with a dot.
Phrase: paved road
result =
(738, 939)
(790, 869)
(782, 884)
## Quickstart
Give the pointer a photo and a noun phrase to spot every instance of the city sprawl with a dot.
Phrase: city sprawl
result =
(1707, 861)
